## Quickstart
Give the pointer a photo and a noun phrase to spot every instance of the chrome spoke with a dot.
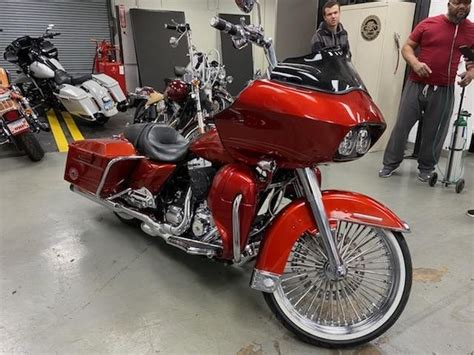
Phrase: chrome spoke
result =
(366, 252)
(353, 239)
(307, 258)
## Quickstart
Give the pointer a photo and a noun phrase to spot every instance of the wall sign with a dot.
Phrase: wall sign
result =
(371, 28)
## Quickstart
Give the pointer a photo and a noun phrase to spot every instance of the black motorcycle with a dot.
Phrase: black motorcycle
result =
(196, 94)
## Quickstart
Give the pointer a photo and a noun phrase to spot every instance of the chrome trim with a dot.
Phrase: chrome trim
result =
(264, 281)
(250, 252)
(236, 228)
(364, 216)
(312, 192)
(149, 225)
(194, 247)
(109, 166)
(406, 228)
(267, 165)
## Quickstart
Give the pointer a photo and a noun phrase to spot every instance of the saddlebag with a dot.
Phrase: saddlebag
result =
(101, 166)
(77, 101)
(111, 85)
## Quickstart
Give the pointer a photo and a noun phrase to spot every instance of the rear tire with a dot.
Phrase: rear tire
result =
(101, 119)
(131, 221)
(367, 301)
(30, 145)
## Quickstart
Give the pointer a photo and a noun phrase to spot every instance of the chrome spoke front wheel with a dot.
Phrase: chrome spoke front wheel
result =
(349, 308)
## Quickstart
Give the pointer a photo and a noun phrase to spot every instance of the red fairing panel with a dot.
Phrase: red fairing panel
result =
(209, 147)
(297, 218)
(230, 181)
(295, 126)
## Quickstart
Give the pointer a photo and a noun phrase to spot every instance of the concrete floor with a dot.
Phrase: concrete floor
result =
(73, 279)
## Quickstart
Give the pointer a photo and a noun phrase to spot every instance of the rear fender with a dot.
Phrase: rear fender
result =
(296, 218)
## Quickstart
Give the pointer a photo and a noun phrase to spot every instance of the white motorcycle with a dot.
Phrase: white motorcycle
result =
(93, 97)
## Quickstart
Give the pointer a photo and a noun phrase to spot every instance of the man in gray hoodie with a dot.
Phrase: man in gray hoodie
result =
(331, 33)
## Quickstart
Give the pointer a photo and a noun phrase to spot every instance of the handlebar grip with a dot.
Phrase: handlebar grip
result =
(225, 26)
(180, 28)
(170, 27)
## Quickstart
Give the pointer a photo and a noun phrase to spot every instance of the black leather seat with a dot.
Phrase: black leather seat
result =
(62, 77)
(157, 141)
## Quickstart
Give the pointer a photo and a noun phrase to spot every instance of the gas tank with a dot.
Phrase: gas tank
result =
(177, 90)
(43, 71)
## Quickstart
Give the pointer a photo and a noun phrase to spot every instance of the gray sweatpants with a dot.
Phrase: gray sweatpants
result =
(435, 105)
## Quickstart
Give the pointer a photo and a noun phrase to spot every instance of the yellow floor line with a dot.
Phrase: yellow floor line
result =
(71, 125)
(58, 133)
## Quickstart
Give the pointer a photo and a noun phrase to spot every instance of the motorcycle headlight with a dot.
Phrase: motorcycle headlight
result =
(363, 141)
(348, 143)
(221, 76)
(358, 141)
(229, 79)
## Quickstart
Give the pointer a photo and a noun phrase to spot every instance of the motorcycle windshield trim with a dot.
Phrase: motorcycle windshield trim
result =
(329, 71)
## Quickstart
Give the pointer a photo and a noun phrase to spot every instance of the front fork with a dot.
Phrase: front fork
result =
(309, 182)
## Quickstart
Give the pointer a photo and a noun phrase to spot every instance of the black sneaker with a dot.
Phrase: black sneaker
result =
(424, 175)
(386, 172)
(470, 213)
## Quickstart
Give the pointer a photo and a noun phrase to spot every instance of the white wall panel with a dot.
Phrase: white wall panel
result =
(198, 14)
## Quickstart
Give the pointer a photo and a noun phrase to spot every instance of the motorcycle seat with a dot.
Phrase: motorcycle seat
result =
(157, 141)
(61, 77)
(179, 71)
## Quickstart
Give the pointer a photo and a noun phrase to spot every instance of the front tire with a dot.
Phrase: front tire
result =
(30, 145)
(351, 310)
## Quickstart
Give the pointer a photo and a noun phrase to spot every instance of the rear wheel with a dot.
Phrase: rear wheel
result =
(30, 145)
(101, 119)
(126, 219)
(351, 310)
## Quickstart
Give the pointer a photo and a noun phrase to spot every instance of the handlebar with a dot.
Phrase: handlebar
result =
(179, 27)
(51, 35)
(225, 26)
(242, 34)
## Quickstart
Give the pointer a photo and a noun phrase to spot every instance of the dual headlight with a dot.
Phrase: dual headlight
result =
(356, 143)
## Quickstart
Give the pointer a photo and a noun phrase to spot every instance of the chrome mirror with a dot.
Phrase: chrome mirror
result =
(174, 42)
(245, 5)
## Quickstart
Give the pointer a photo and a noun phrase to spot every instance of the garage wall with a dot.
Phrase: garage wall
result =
(197, 13)
(440, 7)
(77, 21)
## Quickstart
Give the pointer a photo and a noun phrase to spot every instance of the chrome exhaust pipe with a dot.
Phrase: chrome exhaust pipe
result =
(149, 225)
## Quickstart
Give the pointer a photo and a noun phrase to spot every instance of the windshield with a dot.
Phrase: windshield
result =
(326, 70)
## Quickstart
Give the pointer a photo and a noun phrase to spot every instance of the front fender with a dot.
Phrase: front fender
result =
(296, 218)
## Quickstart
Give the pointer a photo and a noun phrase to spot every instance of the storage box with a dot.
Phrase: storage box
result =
(87, 161)
(112, 86)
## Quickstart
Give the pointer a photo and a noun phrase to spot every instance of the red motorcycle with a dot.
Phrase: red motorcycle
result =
(18, 121)
(333, 265)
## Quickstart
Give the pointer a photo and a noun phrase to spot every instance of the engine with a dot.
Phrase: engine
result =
(202, 222)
